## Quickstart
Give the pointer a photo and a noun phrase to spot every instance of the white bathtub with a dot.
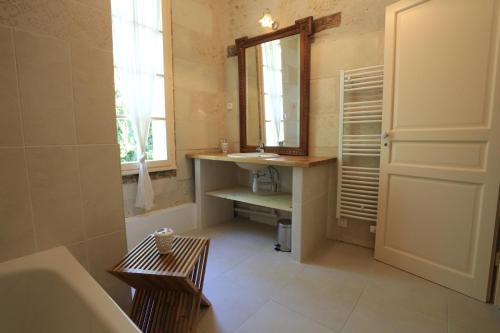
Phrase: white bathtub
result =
(50, 292)
(181, 218)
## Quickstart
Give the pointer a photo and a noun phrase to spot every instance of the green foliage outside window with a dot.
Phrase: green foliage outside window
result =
(126, 137)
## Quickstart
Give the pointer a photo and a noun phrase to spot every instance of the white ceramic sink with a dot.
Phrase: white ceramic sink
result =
(253, 155)
(251, 167)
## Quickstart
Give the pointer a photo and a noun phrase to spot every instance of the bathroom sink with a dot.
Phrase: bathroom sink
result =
(253, 155)
(251, 167)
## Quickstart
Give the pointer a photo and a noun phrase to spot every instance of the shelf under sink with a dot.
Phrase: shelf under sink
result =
(276, 200)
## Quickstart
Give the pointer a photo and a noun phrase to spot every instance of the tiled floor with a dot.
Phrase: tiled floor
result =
(342, 289)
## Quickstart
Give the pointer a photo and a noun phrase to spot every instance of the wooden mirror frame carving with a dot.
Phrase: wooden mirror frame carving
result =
(304, 28)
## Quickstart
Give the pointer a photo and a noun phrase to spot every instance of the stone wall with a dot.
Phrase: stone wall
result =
(358, 42)
(205, 80)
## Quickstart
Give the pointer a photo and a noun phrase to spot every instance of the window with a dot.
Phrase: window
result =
(143, 83)
(273, 93)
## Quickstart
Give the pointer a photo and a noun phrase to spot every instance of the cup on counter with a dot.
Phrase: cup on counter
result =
(224, 146)
(164, 238)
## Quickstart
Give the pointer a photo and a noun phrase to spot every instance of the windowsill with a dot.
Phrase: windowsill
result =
(151, 169)
(131, 177)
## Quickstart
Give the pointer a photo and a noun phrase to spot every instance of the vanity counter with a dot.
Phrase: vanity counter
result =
(306, 183)
(283, 160)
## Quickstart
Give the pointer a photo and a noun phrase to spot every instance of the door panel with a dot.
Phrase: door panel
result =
(443, 233)
(439, 154)
(432, 41)
(440, 165)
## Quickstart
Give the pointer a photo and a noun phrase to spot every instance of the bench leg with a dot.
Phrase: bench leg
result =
(204, 301)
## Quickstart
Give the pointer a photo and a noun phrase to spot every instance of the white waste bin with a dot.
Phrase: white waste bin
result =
(284, 236)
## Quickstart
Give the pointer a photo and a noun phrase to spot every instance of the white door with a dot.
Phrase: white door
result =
(440, 170)
(497, 291)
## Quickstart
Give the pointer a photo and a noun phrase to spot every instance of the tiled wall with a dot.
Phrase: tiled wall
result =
(199, 55)
(60, 178)
(356, 43)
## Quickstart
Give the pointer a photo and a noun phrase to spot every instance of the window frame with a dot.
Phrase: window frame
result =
(131, 168)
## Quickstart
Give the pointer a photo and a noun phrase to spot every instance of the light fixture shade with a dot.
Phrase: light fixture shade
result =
(267, 20)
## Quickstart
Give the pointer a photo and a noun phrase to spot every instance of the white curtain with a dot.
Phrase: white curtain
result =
(138, 58)
(273, 84)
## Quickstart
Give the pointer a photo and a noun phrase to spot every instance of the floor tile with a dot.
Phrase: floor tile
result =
(264, 273)
(466, 314)
(344, 257)
(324, 295)
(273, 318)
(373, 317)
(231, 306)
(341, 288)
(233, 243)
(388, 285)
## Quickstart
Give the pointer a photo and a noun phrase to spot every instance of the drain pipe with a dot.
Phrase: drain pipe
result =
(255, 181)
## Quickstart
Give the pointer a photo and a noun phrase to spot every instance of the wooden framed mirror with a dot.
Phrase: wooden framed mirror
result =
(273, 74)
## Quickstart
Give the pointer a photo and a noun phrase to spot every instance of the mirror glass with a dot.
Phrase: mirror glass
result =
(273, 93)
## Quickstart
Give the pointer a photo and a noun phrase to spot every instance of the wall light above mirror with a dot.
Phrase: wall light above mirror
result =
(267, 20)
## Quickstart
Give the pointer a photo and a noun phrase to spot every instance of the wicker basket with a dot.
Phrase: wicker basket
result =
(164, 238)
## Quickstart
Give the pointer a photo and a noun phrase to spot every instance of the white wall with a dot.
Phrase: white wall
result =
(180, 218)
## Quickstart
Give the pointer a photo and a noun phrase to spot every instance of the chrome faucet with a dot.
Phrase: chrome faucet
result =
(260, 148)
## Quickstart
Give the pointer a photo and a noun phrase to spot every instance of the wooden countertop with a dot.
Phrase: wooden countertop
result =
(283, 160)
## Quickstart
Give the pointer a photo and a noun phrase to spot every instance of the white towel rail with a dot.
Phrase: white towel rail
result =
(361, 106)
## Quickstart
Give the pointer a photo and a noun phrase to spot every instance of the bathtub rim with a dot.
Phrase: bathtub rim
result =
(60, 262)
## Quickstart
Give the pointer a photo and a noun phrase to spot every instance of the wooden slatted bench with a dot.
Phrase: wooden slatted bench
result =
(169, 287)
